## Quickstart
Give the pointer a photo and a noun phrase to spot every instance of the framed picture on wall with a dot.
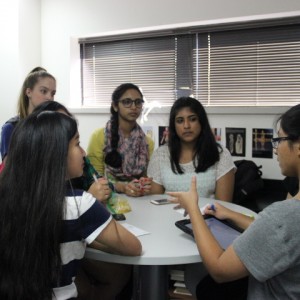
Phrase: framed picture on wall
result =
(163, 135)
(217, 133)
(261, 142)
(236, 141)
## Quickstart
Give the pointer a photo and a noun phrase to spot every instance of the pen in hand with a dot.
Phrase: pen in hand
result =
(95, 178)
(212, 207)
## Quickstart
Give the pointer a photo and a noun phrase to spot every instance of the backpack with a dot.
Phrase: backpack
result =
(248, 181)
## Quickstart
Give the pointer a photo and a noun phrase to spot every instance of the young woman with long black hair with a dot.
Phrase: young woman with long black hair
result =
(192, 151)
(44, 226)
(100, 189)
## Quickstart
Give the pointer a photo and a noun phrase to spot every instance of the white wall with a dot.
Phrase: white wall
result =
(20, 32)
(76, 18)
(44, 32)
(62, 20)
(9, 62)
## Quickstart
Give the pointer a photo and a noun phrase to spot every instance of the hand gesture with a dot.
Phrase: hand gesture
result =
(187, 200)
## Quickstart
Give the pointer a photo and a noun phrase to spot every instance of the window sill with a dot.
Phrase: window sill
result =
(263, 110)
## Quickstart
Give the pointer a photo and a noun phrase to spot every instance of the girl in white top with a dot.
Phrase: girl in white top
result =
(192, 151)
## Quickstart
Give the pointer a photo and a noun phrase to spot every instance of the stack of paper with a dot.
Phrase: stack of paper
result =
(179, 285)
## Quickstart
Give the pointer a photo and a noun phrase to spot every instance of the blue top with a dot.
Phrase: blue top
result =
(6, 132)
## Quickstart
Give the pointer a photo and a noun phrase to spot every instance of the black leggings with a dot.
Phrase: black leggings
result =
(208, 289)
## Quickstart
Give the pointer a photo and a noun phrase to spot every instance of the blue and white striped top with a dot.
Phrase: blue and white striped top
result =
(84, 219)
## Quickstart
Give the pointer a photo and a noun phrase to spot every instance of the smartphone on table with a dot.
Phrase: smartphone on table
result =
(160, 201)
(119, 217)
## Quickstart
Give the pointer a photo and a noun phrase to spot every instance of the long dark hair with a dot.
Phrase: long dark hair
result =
(290, 122)
(207, 150)
(32, 193)
(114, 158)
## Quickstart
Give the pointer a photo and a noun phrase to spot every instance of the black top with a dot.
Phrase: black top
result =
(292, 185)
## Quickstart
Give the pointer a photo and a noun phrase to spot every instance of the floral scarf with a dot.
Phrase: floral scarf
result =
(134, 153)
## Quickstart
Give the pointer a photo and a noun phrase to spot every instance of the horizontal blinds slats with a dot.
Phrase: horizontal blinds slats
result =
(249, 67)
(149, 63)
(252, 67)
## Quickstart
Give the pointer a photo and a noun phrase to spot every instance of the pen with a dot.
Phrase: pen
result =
(212, 207)
(95, 178)
(248, 215)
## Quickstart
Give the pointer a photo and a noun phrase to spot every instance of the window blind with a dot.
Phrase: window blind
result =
(148, 63)
(236, 67)
(254, 67)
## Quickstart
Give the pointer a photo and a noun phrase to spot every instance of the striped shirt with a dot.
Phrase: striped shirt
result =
(84, 220)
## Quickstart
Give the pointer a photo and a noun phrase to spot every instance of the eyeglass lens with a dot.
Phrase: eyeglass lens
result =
(128, 102)
(276, 141)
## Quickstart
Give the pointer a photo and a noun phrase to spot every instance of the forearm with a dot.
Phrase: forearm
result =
(225, 187)
(240, 220)
(222, 265)
(120, 187)
(99, 246)
(125, 242)
(156, 189)
(118, 240)
(208, 246)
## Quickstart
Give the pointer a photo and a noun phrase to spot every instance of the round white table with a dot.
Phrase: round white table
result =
(165, 245)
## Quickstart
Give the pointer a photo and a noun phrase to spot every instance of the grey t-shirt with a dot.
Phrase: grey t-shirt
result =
(270, 250)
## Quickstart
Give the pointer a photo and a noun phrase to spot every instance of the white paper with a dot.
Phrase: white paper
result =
(202, 209)
(134, 230)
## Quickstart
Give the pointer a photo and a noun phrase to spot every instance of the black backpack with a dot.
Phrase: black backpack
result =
(248, 181)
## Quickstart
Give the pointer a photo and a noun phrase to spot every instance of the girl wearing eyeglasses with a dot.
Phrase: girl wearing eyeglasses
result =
(121, 150)
(268, 250)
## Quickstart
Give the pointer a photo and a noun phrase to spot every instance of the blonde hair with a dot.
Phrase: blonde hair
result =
(30, 81)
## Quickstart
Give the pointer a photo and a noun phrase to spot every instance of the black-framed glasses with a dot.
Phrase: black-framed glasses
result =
(275, 141)
(127, 102)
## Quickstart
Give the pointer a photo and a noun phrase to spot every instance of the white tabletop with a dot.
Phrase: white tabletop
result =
(166, 244)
